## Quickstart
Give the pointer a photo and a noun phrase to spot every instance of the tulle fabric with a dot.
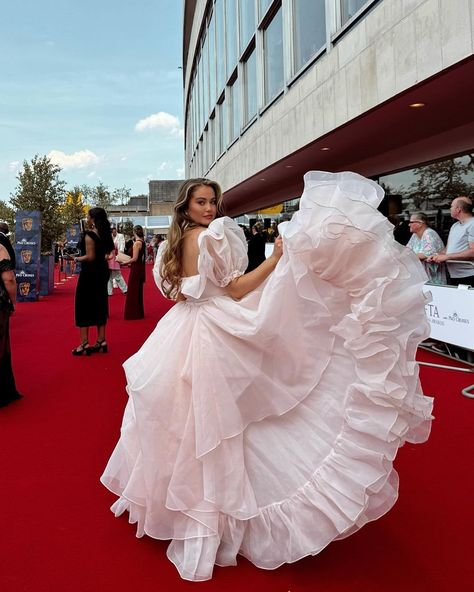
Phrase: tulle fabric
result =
(268, 427)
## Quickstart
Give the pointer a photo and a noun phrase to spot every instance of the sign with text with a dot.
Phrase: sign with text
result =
(451, 315)
(27, 251)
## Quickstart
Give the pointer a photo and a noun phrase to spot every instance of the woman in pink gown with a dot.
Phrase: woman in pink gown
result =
(265, 410)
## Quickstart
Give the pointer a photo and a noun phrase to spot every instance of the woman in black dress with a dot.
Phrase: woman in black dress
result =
(256, 247)
(92, 307)
(134, 303)
(8, 392)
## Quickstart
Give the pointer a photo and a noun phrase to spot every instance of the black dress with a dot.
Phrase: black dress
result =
(256, 251)
(8, 392)
(92, 305)
(134, 303)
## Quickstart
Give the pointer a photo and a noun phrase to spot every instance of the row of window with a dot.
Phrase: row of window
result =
(248, 50)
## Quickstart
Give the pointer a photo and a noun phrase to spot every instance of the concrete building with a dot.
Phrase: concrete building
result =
(152, 211)
(274, 88)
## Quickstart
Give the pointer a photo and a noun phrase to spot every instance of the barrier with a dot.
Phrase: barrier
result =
(451, 317)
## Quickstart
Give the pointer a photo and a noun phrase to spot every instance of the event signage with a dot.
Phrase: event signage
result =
(451, 314)
(27, 251)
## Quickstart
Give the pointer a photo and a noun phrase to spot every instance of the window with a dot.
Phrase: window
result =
(205, 77)
(234, 107)
(212, 61)
(220, 44)
(310, 30)
(247, 22)
(349, 8)
(250, 87)
(273, 57)
(262, 7)
(231, 35)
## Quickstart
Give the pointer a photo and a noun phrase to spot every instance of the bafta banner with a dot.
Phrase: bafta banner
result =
(27, 251)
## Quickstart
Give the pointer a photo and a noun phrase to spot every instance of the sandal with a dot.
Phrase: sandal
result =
(99, 346)
(82, 349)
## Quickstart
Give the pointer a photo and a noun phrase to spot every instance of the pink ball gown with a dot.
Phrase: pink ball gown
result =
(267, 427)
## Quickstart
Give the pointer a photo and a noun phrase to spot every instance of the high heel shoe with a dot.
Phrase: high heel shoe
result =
(82, 349)
(99, 346)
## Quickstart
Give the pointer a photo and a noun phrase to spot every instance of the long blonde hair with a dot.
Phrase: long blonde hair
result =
(171, 266)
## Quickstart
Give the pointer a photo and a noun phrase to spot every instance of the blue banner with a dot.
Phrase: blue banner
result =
(73, 234)
(27, 251)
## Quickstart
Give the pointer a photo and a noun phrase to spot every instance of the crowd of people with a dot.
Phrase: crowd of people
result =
(452, 264)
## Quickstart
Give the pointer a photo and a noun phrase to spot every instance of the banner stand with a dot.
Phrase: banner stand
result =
(450, 315)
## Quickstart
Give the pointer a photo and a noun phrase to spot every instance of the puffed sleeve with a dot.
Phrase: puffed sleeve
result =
(222, 256)
(156, 267)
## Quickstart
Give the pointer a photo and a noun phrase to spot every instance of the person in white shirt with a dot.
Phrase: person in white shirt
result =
(116, 278)
(460, 245)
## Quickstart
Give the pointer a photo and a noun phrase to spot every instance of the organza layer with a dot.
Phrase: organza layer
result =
(268, 427)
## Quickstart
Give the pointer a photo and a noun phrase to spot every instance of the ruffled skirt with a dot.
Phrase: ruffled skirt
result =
(268, 427)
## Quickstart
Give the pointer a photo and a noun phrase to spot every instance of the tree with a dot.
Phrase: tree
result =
(440, 182)
(73, 209)
(99, 196)
(127, 228)
(7, 214)
(122, 195)
(40, 188)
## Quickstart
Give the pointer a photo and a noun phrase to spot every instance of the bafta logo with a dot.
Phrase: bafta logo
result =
(24, 288)
(27, 224)
(26, 255)
(73, 232)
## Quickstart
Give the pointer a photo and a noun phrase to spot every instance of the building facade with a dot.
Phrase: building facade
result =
(152, 211)
(274, 88)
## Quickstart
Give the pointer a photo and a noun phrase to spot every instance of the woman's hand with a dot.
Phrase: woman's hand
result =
(277, 248)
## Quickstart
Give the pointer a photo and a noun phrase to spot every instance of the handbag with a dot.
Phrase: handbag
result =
(122, 258)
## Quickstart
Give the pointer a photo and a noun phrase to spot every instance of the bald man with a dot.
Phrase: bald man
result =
(460, 243)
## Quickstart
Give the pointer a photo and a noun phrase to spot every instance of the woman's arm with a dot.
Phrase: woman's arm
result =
(137, 245)
(90, 251)
(245, 284)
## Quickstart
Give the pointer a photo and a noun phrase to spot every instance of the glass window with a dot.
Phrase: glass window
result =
(247, 22)
(231, 35)
(223, 125)
(262, 7)
(273, 56)
(430, 189)
(210, 140)
(219, 12)
(310, 30)
(205, 77)
(234, 106)
(217, 132)
(349, 8)
(212, 62)
(250, 87)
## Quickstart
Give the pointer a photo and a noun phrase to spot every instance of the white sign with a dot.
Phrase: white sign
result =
(451, 315)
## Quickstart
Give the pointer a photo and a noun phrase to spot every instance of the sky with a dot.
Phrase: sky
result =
(96, 85)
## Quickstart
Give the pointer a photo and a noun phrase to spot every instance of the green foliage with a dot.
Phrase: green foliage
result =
(99, 196)
(127, 228)
(8, 215)
(73, 209)
(40, 188)
(121, 195)
(443, 181)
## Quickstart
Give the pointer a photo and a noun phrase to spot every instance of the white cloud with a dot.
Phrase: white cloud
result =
(91, 174)
(165, 121)
(76, 160)
(180, 173)
(14, 165)
(123, 158)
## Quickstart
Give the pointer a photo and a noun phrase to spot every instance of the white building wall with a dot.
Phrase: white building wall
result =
(396, 45)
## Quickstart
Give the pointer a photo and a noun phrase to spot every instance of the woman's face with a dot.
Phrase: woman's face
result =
(202, 205)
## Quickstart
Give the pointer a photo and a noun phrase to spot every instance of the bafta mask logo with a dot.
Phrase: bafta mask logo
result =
(27, 224)
(24, 288)
(26, 255)
(73, 232)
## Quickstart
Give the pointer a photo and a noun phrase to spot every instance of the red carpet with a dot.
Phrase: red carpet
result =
(57, 533)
